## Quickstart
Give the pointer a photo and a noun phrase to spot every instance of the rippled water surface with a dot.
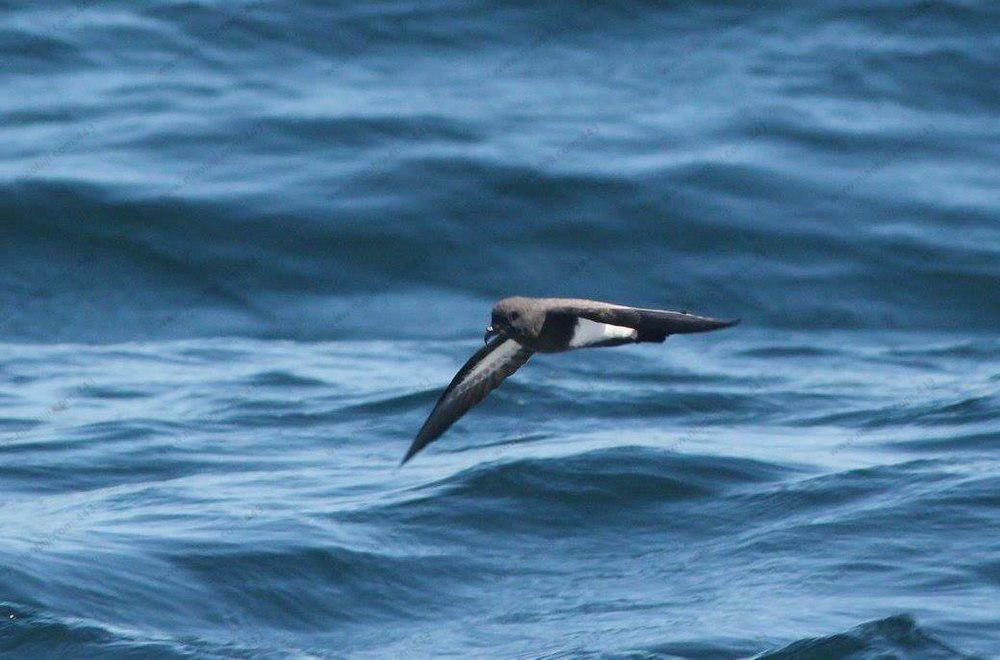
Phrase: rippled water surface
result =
(246, 244)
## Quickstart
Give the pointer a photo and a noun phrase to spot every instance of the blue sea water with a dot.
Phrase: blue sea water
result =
(246, 244)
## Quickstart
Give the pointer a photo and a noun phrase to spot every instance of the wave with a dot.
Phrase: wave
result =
(27, 634)
(361, 585)
(33, 633)
(222, 269)
(601, 489)
(895, 636)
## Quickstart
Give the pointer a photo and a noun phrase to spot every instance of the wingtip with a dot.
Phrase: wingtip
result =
(410, 453)
(415, 447)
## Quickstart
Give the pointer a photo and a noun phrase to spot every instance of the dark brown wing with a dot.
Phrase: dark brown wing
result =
(650, 322)
(482, 373)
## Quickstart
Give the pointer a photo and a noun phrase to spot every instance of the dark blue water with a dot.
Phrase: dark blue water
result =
(245, 245)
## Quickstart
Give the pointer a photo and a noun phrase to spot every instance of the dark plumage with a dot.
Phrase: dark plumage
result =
(522, 326)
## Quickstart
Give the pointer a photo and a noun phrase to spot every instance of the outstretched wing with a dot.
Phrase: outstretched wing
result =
(650, 324)
(482, 373)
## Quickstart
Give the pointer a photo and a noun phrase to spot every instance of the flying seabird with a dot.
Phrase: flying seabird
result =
(522, 326)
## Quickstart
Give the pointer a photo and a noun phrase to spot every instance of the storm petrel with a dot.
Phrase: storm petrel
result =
(522, 326)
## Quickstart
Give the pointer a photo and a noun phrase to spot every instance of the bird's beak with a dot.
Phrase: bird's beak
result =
(490, 333)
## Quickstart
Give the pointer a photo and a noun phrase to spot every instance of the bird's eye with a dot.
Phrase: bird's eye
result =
(514, 316)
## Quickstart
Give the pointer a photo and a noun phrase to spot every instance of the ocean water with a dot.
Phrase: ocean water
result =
(246, 244)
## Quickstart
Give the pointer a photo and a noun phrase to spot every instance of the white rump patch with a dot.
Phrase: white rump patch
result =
(591, 333)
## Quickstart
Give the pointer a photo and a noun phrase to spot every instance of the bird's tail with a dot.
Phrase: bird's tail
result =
(650, 335)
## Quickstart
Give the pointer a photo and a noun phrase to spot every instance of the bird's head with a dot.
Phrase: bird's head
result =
(517, 318)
